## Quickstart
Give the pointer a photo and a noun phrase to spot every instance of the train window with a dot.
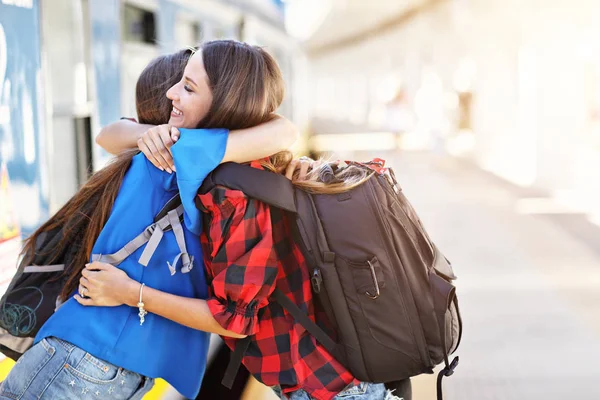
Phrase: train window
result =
(139, 25)
(197, 32)
(219, 32)
(83, 143)
(241, 29)
(188, 33)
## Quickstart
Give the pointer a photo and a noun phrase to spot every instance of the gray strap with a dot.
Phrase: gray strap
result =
(44, 268)
(151, 235)
(15, 343)
(172, 267)
(127, 250)
(152, 245)
(118, 257)
(169, 221)
(187, 261)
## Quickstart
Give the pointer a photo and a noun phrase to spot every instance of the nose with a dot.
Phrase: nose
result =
(172, 93)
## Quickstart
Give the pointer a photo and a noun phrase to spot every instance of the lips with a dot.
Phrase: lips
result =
(176, 112)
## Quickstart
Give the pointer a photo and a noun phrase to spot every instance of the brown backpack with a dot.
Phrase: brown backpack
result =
(383, 283)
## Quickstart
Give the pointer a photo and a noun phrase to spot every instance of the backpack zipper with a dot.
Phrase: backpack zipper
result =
(420, 336)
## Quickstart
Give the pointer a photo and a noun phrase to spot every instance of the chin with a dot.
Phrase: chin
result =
(176, 124)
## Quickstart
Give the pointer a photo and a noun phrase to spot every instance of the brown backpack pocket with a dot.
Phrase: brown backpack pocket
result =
(368, 277)
(445, 306)
(374, 305)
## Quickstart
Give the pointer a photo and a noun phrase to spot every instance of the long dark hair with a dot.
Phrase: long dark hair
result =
(247, 87)
(83, 217)
(248, 95)
(246, 84)
(151, 103)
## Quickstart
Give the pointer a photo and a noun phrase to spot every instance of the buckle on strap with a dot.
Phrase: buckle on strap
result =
(150, 229)
(449, 370)
(316, 280)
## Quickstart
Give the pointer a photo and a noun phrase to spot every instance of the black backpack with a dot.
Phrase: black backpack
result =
(382, 282)
(33, 294)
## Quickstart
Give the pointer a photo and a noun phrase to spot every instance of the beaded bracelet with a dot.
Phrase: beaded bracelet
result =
(140, 305)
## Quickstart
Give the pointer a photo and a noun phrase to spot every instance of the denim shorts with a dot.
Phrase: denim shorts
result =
(361, 391)
(55, 369)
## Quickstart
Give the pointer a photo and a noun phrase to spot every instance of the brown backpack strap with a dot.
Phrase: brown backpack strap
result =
(266, 186)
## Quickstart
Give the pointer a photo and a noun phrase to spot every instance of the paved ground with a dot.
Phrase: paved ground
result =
(529, 289)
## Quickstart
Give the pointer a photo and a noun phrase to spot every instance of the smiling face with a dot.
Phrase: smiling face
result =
(191, 97)
(227, 84)
(151, 103)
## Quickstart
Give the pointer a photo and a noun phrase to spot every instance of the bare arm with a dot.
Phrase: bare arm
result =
(193, 313)
(155, 141)
(260, 141)
(121, 135)
(109, 286)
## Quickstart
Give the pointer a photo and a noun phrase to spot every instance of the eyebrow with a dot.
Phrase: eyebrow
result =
(187, 78)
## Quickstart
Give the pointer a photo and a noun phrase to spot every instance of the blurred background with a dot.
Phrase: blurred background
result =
(488, 110)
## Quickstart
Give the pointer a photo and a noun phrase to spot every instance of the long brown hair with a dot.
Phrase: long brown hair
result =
(151, 103)
(247, 87)
(246, 84)
(248, 94)
(83, 217)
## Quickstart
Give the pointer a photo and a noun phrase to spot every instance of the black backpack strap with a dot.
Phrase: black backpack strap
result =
(173, 203)
(266, 186)
(300, 316)
(443, 297)
(235, 361)
(455, 301)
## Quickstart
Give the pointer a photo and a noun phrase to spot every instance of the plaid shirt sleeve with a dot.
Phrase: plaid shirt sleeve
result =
(242, 261)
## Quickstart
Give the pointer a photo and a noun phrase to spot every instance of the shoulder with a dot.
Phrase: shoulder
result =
(199, 151)
(160, 179)
(259, 164)
(221, 196)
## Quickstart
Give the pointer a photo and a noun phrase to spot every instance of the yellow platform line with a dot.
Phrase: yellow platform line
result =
(157, 392)
(5, 367)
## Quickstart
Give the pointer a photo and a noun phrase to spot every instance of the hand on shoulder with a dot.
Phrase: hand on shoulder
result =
(156, 144)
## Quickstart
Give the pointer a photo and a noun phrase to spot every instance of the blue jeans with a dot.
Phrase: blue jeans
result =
(55, 369)
(362, 391)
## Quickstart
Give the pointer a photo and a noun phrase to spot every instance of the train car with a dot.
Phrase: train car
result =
(69, 67)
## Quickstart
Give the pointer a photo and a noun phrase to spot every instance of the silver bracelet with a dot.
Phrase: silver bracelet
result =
(140, 305)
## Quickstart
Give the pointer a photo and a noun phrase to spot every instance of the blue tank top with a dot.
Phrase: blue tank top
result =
(160, 348)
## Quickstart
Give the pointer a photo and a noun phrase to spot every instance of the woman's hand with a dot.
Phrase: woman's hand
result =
(104, 285)
(156, 145)
(303, 165)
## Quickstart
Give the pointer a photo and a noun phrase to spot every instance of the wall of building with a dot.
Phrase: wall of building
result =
(69, 67)
(533, 74)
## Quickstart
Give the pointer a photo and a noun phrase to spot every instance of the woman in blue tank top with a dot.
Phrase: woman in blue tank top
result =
(115, 351)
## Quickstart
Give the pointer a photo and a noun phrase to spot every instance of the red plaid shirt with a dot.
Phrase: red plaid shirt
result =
(249, 252)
